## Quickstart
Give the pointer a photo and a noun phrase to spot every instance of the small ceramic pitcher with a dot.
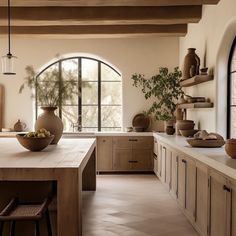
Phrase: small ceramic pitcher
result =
(19, 126)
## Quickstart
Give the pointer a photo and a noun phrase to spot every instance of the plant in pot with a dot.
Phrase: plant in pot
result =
(164, 88)
(48, 96)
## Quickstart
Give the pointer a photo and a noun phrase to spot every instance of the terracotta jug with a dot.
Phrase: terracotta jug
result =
(191, 59)
(19, 126)
(50, 122)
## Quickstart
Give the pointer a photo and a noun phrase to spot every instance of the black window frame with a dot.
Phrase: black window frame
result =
(80, 104)
(230, 72)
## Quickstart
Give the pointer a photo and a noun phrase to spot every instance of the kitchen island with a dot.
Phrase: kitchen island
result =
(71, 165)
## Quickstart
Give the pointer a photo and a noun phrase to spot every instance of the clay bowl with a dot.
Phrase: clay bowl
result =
(230, 148)
(34, 144)
(188, 133)
(187, 126)
(185, 121)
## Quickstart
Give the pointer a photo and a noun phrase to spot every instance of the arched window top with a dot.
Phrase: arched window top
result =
(231, 124)
(98, 107)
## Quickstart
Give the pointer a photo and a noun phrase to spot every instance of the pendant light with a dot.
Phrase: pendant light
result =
(8, 61)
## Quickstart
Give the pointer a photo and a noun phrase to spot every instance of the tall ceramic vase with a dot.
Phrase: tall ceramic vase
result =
(191, 60)
(50, 122)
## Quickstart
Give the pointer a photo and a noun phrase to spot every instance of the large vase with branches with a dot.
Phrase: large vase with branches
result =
(165, 88)
(49, 95)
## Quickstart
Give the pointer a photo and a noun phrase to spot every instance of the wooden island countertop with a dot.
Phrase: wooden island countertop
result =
(71, 164)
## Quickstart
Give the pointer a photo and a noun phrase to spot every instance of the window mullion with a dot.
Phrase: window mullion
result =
(80, 94)
(60, 88)
(99, 96)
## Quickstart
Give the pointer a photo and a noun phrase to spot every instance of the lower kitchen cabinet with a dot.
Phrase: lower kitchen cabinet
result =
(232, 209)
(201, 218)
(159, 160)
(174, 174)
(142, 160)
(217, 204)
(121, 159)
(181, 181)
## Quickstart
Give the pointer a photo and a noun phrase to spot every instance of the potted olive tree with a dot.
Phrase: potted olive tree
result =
(165, 88)
(50, 92)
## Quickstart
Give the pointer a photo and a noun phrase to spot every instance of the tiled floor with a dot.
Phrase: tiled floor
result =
(132, 205)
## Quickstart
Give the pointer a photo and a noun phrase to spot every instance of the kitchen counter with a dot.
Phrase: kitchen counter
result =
(213, 157)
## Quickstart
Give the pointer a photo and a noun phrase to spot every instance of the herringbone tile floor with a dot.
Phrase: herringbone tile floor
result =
(132, 205)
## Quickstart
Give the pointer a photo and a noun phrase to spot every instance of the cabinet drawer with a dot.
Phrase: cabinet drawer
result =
(142, 160)
(142, 142)
(122, 142)
(122, 159)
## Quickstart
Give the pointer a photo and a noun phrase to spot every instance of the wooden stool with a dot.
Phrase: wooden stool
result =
(16, 211)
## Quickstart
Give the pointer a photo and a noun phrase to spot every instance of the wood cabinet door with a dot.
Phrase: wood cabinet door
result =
(155, 168)
(142, 160)
(168, 168)
(159, 159)
(163, 164)
(190, 194)
(104, 153)
(181, 181)
(121, 159)
(155, 147)
(122, 142)
(218, 205)
(139, 142)
(174, 174)
(232, 208)
(201, 218)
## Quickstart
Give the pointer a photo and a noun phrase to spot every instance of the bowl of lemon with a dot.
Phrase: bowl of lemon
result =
(35, 141)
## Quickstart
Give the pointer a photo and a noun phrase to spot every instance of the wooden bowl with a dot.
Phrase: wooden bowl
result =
(205, 143)
(230, 148)
(188, 133)
(185, 126)
(34, 144)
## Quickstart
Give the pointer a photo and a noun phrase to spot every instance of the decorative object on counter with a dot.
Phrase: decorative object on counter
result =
(165, 88)
(193, 71)
(35, 141)
(141, 122)
(191, 59)
(128, 129)
(188, 133)
(170, 130)
(184, 125)
(50, 122)
(19, 126)
(204, 139)
(230, 147)
(203, 71)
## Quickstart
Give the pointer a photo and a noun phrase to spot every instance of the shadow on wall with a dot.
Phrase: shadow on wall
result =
(221, 74)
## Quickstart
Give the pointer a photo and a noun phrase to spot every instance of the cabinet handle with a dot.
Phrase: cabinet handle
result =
(155, 156)
(184, 161)
(225, 188)
(133, 140)
(133, 161)
(104, 140)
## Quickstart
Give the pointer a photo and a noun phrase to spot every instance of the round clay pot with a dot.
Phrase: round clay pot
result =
(49, 121)
(191, 59)
(230, 148)
(185, 126)
(19, 126)
(170, 130)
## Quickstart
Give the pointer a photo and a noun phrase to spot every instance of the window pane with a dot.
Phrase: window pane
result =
(89, 116)
(90, 93)
(233, 122)
(111, 93)
(48, 93)
(89, 70)
(110, 129)
(108, 74)
(111, 116)
(70, 69)
(89, 129)
(233, 89)
(71, 96)
(50, 74)
(233, 63)
(69, 116)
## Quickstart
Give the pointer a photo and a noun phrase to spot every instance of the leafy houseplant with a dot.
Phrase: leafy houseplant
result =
(165, 88)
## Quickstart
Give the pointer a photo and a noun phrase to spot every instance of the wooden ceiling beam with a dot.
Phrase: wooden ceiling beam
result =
(161, 30)
(102, 15)
(23, 3)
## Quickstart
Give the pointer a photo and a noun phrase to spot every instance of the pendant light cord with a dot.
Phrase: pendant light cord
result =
(9, 28)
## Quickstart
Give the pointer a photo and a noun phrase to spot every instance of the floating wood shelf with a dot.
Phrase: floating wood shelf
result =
(195, 105)
(198, 79)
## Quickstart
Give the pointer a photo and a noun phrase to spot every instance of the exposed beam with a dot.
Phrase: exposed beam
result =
(107, 2)
(161, 30)
(102, 15)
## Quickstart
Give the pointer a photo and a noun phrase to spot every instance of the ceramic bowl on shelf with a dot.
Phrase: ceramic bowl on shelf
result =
(188, 133)
(185, 126)
(230, 148)
(34, 144)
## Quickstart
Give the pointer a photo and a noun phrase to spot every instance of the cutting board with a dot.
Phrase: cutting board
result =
(1, 105)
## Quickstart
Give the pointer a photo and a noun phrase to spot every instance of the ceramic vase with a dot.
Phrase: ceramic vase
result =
(230, 148)
(50, 122)
(190, 60)
(19, 126)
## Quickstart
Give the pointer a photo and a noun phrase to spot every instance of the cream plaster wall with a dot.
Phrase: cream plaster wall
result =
(142, 55)
(212, 37)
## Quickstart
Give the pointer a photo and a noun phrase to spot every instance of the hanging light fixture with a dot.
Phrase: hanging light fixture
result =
(8, 61)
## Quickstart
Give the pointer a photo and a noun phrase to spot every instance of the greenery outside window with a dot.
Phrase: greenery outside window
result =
(98, 107)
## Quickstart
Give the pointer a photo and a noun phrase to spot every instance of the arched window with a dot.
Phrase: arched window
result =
(231, 103)
(98, 107)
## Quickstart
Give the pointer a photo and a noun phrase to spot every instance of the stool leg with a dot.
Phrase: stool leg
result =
(12, 229)
(37, 228)
(48, 223)
(1, 228)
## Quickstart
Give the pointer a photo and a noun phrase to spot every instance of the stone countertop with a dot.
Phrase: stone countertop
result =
(213, 157)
